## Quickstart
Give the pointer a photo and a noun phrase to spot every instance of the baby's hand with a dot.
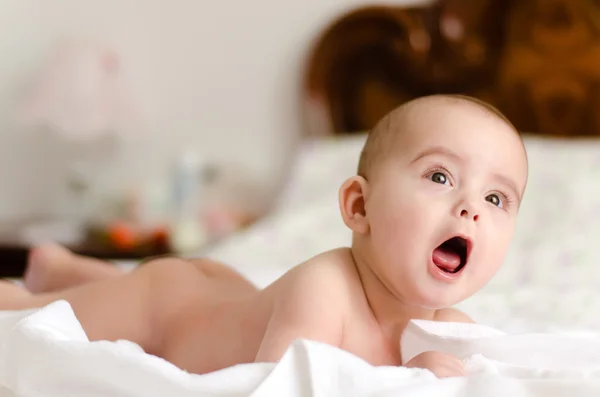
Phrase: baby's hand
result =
(442, 365)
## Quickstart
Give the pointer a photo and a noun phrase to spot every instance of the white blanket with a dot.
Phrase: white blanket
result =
(46, 353)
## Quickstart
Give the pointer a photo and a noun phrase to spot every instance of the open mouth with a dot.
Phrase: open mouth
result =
(451, 256)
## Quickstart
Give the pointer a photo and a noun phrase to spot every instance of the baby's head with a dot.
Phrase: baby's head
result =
(434, 205)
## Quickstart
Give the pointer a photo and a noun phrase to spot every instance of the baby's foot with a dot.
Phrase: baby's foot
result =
(45, 265)
(11, 294)
(52, 267)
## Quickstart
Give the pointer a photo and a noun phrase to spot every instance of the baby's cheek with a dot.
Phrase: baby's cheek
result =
(500, 243)
(399, 218)
(401, 231)
(414, 217)
(493, 261)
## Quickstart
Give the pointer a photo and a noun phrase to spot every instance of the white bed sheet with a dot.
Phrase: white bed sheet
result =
(45, 353)
(550, 280)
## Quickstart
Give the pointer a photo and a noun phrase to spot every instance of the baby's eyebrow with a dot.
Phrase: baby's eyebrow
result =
(509, 183)
(437, 150)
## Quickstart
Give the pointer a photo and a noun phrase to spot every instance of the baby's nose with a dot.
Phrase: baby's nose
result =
(465, 213)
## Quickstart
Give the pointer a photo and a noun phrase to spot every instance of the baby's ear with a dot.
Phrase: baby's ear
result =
(352, 197)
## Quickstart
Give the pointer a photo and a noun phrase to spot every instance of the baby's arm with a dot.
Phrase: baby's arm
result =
(308, 306)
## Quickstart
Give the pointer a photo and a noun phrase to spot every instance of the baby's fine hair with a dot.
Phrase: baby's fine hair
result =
(380, 138)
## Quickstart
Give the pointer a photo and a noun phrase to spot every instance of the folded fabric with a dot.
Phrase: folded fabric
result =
(486, 349)
(46, 353)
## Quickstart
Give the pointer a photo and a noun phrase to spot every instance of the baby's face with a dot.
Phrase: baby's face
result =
(442, 208)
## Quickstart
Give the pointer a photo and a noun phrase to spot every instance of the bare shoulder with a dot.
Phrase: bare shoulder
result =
(311, 302)
(452, 315)
(325, 275)
(330, 273)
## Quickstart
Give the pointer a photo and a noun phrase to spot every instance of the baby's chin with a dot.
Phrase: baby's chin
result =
(433, 298)
(438, 304)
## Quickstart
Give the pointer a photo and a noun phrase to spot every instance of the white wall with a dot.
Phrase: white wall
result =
(223, 76)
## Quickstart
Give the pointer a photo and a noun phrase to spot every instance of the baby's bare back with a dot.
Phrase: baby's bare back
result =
(220, 324)
(203, 316)
(321, 300)
(216, 332)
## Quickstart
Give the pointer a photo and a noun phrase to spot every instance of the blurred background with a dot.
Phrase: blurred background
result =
(134, 128)
(116, 111)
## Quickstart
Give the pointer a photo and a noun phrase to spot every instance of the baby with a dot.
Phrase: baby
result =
(432, 211)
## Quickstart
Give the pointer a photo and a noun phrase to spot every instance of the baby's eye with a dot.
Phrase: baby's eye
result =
(494, 199)
(439, 177)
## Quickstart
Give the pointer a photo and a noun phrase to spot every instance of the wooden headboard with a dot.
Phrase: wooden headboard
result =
(538, 61)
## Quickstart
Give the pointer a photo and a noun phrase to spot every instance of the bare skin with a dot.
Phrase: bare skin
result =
(221, 300)
(53, 268)
(455, 170)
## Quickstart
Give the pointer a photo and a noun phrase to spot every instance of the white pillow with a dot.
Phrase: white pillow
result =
(322, 166)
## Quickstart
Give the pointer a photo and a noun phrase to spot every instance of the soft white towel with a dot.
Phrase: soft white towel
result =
(485, 349)
(46, 353)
